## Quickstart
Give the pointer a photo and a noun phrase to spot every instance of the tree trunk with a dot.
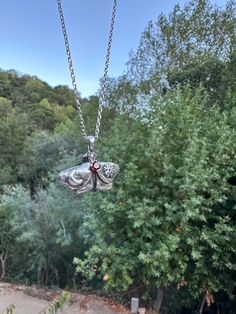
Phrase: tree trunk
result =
(159, 299)
(3, 257)
(202, 305)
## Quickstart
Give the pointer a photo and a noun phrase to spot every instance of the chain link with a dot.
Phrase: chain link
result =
(102, 96)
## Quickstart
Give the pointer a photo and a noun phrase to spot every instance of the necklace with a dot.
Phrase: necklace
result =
(91, 175)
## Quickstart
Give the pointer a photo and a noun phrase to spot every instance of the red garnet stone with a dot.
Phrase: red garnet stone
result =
(95, 166)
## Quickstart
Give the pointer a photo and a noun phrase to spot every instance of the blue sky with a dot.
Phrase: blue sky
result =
(31, 38)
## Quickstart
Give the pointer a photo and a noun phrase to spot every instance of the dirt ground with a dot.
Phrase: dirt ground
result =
(30, 300)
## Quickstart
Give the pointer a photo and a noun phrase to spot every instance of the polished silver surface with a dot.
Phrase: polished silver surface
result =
(72, 72)
(91, 142)
(83, 179)
(91, 175)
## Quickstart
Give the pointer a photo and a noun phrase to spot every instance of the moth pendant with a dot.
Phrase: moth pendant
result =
(91, 175)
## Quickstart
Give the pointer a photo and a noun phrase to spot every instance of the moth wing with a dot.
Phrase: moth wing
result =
(87, 185)
(78, 178)
(105, 175)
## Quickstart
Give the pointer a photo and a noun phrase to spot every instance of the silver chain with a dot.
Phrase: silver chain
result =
(72, 72)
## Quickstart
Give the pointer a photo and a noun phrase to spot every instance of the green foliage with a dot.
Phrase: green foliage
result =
(5, 107)
(47, 238)
(186, 35)
(9, 310)
(42, 116)
(166, 221)
(169, 222)
(7, 234)
(215, 75)
(53, 308)
(13, 132)
(191, 44)
(57, 304)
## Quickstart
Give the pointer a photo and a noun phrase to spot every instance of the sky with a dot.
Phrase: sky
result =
(31, 40)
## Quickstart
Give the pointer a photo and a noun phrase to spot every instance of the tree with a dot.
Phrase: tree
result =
(166, 231)
(5, 107)
(48, 234)
(7, 240)
(64, 96)
(42, 115)
(13, 132)
(165, 223)
(186, 35)
(190, 44)
(215, 75)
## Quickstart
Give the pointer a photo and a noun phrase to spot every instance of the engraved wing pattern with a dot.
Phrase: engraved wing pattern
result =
(87, 177)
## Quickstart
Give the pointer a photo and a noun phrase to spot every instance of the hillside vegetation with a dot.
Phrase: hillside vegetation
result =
(166, 231)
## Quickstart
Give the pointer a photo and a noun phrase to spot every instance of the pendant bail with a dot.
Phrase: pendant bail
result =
(91, 155)
(90, 141)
